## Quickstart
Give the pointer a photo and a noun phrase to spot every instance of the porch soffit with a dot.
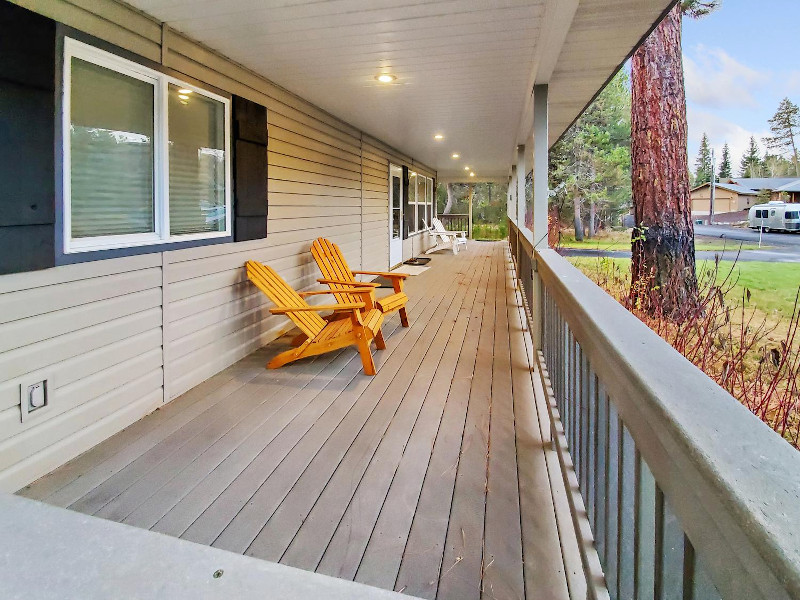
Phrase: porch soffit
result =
(464, 68)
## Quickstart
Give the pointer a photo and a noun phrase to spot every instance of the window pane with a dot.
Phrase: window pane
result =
(412, 199)
(111, 152)
(196, 163)
(421, 196)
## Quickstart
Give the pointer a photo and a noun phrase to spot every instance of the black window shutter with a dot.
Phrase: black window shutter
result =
(250, 202)
(407, 216)
(27, 131)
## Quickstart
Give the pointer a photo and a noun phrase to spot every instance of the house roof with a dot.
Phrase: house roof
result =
(733, 187)
(763, 183)
(465, 68)
(793, 186)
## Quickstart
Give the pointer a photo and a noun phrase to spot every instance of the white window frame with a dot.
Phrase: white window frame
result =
(160, 81)
(427, 200)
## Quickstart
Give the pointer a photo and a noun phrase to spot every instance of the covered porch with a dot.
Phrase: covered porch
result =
(436, 478)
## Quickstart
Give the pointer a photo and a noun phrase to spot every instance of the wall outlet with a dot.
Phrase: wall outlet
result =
(33, 397)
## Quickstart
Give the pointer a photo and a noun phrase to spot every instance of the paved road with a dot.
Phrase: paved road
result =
(774, 239)
(780, 247)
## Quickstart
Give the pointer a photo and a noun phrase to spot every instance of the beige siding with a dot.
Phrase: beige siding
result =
(93, 331)
(117, 338)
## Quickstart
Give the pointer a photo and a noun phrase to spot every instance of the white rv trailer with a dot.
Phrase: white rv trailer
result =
(775, 216)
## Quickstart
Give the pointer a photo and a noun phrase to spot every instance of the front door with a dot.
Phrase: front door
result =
(395, 215)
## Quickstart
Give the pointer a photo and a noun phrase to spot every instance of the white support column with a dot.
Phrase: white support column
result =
(512, 193)
(522, 171)
(541, 193)
(541, 150)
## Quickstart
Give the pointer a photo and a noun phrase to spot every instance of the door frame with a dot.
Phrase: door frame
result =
(396, 257)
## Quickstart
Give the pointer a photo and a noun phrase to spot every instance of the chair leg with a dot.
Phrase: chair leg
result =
(283, 358)
(380, 343)
(366, 356)
(403, 317)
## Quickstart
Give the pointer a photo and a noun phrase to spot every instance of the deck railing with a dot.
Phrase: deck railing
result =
(456, 222)
(688, 495)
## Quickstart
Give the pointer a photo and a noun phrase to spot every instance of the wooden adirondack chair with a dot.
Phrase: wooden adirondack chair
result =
(362, 326)
(338, 275)
(447, 239)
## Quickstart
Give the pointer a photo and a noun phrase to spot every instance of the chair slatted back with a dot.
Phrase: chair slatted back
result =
(332, 265)
(439, 227)
(268, 281)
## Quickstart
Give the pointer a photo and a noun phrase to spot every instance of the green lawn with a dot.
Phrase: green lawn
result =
(621, 240)
(772, 286)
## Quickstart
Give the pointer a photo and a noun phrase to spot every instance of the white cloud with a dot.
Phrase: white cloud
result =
(714, 79)
(720, 131)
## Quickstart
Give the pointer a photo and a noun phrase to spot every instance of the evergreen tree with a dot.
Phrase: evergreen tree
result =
(702, 163)
(725, 169)
(591, 164)
(784, 125)
(751, 165)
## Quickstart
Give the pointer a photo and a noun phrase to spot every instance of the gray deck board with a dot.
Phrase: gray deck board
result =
(430, 478)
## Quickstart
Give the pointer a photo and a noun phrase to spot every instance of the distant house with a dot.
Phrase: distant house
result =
(781, 188)
(738, 194)
(728, 198)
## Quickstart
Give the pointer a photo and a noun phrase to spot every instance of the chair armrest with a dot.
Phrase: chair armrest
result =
(456, 233)
(336, 291)
(352, 283)
(333, 307)
(382, 274)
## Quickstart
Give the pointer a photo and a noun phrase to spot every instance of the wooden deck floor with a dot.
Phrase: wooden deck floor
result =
(430, 478)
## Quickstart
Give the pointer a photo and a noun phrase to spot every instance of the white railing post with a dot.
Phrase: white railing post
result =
(541, 192)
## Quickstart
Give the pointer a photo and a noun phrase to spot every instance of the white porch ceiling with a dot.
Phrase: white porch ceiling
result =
(464, 68)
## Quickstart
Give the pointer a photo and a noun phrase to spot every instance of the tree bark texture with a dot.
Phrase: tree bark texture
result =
(592, 218)
(664, 280)
(577, 218)
(449, 206)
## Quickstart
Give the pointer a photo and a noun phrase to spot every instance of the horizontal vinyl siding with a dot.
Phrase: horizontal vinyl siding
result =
(95, 329)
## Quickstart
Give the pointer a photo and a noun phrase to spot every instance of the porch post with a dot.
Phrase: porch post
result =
(540, 166)
(522, 171)
(541, 192)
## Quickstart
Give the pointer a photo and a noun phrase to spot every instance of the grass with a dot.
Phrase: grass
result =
(486, 231)
(772, 285)
(744, 334)
(621, 240)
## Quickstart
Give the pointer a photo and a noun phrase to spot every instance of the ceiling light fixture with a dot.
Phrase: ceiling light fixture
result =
(184, 91)
(438, 137)
(385, 78)
(183, 96)
(472, 174)
(466, 168)
(456, 155)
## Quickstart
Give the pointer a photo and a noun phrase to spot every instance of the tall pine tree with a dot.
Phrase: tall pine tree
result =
(725, 169)
(663, 275)
(702, 163)
(784, 125)
(750, 165)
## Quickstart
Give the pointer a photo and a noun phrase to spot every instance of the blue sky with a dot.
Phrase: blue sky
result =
(739, 63)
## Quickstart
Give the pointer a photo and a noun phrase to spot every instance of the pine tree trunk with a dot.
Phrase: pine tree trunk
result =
(449, 206)
(578, 220)
(664, 281)
(592, 217)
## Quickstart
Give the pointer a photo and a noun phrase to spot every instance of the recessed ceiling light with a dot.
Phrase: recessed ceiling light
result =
(466, 168)
(183, 96)
(184, 91)
(472, 174)
(385, 78)
(438, 137)
(456, 155)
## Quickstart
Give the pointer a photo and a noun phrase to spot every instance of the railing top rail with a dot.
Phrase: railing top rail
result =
(733, 483)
